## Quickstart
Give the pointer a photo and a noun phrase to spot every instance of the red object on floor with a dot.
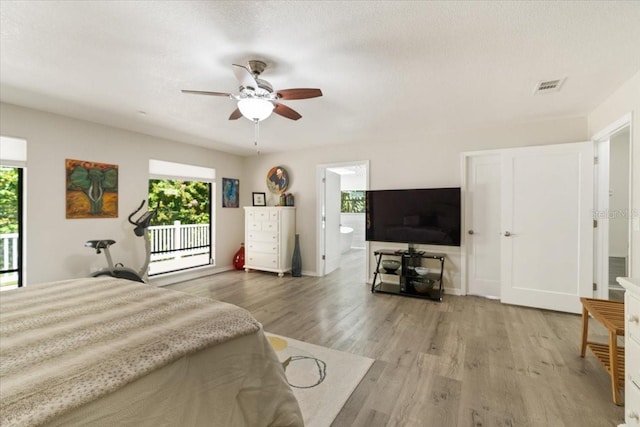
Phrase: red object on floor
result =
(238, 258)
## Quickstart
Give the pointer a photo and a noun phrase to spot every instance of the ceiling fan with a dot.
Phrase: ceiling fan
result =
(257, 99)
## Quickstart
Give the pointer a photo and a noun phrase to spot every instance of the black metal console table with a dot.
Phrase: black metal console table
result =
(408, 281)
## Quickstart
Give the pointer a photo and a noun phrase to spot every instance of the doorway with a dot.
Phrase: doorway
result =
(341, 225)
(612, 215)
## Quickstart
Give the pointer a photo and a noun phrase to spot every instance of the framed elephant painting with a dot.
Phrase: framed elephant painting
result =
(92, 189)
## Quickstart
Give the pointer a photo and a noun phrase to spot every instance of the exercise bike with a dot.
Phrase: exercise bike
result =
(119, 270)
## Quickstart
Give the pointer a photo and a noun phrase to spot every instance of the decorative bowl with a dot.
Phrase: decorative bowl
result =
(423, 286)
(421, 271)
(390, 265)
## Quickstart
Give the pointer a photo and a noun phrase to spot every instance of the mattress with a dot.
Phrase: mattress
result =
(105, 351)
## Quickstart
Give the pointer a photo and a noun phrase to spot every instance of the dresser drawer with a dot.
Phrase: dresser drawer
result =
(262, 236)
(270, 226)
(632, 314)
(261, 260)
(266, 215)
(632, 362)
(266, 247)
(254, 225)
(632, 405)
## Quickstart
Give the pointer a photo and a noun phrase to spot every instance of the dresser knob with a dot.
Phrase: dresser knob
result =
(634, 318)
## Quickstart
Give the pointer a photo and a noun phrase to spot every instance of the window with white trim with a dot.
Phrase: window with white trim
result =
(181, 233)
(13, 160)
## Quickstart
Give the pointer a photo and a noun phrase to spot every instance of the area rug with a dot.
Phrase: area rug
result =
(322, 379)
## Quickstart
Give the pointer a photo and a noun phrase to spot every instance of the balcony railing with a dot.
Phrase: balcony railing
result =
(179, 246)
(9, 259)
(9, 244)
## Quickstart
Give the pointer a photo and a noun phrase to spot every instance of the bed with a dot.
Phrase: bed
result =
(105, 351)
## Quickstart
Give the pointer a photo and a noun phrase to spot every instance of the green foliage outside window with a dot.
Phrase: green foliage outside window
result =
(352, 201)
(184, 201)
(8, 200)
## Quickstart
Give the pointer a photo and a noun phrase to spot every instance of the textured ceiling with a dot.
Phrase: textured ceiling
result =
(389, 71)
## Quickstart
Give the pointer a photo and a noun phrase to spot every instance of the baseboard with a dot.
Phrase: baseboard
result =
(167, 279)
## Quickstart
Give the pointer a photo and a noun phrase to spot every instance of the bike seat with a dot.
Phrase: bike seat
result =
(99, 244)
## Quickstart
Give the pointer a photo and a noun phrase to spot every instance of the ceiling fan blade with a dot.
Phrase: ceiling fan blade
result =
(299, 93)
(287, 112)
(202, 92)
(235, 115)
(244, 76)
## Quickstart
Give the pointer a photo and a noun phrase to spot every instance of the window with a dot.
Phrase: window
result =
(182, 232)
(352, 201)
(12, 160)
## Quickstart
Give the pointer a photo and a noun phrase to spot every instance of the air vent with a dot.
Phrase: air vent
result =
(548, 86)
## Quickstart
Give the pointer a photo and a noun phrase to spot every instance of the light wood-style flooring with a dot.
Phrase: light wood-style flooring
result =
(466, 361)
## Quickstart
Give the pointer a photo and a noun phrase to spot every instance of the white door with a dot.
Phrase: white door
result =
(331, 221)
(547, 241)
(482, 220)
(601, 232)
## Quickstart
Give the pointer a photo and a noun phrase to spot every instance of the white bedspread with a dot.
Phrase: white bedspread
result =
(83, 351)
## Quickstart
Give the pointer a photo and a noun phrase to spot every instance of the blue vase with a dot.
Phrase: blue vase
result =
(296, 260)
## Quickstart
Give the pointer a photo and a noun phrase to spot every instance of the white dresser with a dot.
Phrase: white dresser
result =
(632, 350)
(269, 238)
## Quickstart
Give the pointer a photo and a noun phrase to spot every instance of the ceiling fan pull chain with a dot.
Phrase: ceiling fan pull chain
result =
(256, 134)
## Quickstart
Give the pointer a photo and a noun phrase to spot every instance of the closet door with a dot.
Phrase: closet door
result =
(482, 222)
(547, 226)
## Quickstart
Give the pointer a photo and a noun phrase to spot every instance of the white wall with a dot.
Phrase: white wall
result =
(433, 161)
(625, 100)
(55, 245)
(619, 195)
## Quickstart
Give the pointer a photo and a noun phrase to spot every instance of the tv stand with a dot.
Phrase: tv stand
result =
(406, 281)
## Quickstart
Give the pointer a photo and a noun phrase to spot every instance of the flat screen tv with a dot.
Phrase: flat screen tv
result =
(429, 216)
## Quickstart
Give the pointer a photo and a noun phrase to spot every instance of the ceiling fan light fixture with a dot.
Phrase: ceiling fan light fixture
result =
(255, 108)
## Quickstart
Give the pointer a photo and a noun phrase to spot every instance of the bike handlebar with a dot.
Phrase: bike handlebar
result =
(142, 223)
(135, 212)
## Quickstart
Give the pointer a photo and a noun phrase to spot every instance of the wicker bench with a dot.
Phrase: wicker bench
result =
(611, 356)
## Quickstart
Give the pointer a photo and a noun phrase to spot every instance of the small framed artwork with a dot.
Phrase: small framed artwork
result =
(259, 199)
(230, 196)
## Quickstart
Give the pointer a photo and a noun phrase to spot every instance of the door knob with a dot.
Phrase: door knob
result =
(507, 234)
(470, 231)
